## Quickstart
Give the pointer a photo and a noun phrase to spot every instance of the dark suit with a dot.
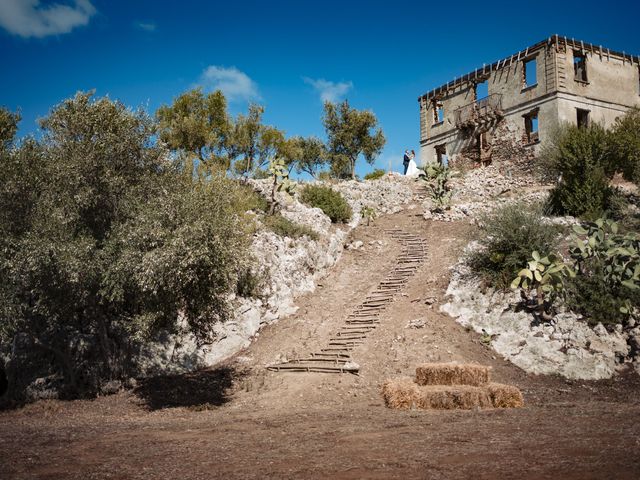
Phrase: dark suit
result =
(405, 162)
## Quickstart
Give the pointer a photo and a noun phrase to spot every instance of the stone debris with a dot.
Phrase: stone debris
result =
(417, 323)
(480, 190)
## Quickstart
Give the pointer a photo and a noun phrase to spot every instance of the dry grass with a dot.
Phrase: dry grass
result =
(452, 374)
(400, 392)
(505, 396)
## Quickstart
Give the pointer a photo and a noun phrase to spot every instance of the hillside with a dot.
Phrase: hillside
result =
(239, 420)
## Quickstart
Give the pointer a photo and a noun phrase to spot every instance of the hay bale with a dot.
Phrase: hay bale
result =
(447, 397)
(505, 396)
(400, 392)
(452, 374)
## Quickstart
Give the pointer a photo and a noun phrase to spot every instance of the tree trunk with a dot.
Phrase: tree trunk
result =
(274, 188)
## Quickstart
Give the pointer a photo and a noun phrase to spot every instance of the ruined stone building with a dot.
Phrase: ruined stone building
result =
(509, 109)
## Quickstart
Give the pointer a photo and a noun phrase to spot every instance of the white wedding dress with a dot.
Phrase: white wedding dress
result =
(413, 170)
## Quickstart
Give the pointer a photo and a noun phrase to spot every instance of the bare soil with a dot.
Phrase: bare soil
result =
(241, 421)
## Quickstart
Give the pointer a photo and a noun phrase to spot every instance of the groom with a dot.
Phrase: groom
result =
(406, 160)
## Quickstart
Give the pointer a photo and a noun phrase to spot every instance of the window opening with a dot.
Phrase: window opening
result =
(531, 127)
(529, 74)
(438, 111)
(582, 117)
(482, 90)
(441, 155)
(579, 66)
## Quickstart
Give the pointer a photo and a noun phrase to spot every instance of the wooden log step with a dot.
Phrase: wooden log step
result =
(336, 361)
(331, 355)
(354, 332)
(356, 340)
(314, 368)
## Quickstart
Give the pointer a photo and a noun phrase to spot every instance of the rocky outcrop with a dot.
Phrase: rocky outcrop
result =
(566, 346)
(293, 268)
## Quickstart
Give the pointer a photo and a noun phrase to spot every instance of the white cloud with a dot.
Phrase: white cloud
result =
(27, 18)
(236, 85)
(329, 91)
(147, 26)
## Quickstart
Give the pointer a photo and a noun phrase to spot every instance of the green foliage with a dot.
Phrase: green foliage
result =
(349, 134)
(546, 276)
(280, 182)
(625, 145)
(246, 198)
(375, 175)
(368, 213)
(593, 296)
(8, 127)
(437, 178)
(581, 158)
(312, 156)
(198, 126)
(332, 203)
(286, 228)
(254, 144)
(609, 260)
(602, 283)
(251, 282)
(508, 236)
(103, 238)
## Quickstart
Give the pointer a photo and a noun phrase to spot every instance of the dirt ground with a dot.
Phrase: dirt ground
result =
(241, 421)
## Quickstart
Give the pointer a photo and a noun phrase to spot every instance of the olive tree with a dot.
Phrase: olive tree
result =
(350, 134)
(112, 243)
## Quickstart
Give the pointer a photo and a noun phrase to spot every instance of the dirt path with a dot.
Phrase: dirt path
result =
(242, 421)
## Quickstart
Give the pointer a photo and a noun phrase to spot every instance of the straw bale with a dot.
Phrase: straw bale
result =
(400, 392)
(446, 397)
(505, 396)
(452, 374)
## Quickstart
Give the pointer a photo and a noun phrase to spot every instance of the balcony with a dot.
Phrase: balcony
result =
(482, 112)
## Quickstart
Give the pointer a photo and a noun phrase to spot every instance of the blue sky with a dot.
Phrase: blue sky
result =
(286, 55)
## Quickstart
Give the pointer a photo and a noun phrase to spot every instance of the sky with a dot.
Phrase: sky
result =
(288, 56)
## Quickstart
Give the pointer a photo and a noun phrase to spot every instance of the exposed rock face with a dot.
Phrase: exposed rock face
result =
(566, 346)
(292, 266)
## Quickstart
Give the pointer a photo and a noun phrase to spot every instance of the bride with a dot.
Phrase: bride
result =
(413, 170)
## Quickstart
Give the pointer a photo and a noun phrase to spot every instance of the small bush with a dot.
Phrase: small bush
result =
(286, 228)
(508, 236)
(246, 198)
(581, 158)
(375, 175)
(592, 296)
(250, 283)
(332, 203)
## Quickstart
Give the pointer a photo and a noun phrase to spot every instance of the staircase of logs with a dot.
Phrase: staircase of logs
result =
(365, 317)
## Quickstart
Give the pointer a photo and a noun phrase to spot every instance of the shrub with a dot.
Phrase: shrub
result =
(581, 159)
(250, 283)
(625, 144)
(286, 228)
(249, 199)
(332, 203)
(375, 175)
(596, 299)
(508, 236)
(113, 244)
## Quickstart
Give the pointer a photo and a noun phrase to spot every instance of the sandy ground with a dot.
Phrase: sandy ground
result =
(241, 421)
